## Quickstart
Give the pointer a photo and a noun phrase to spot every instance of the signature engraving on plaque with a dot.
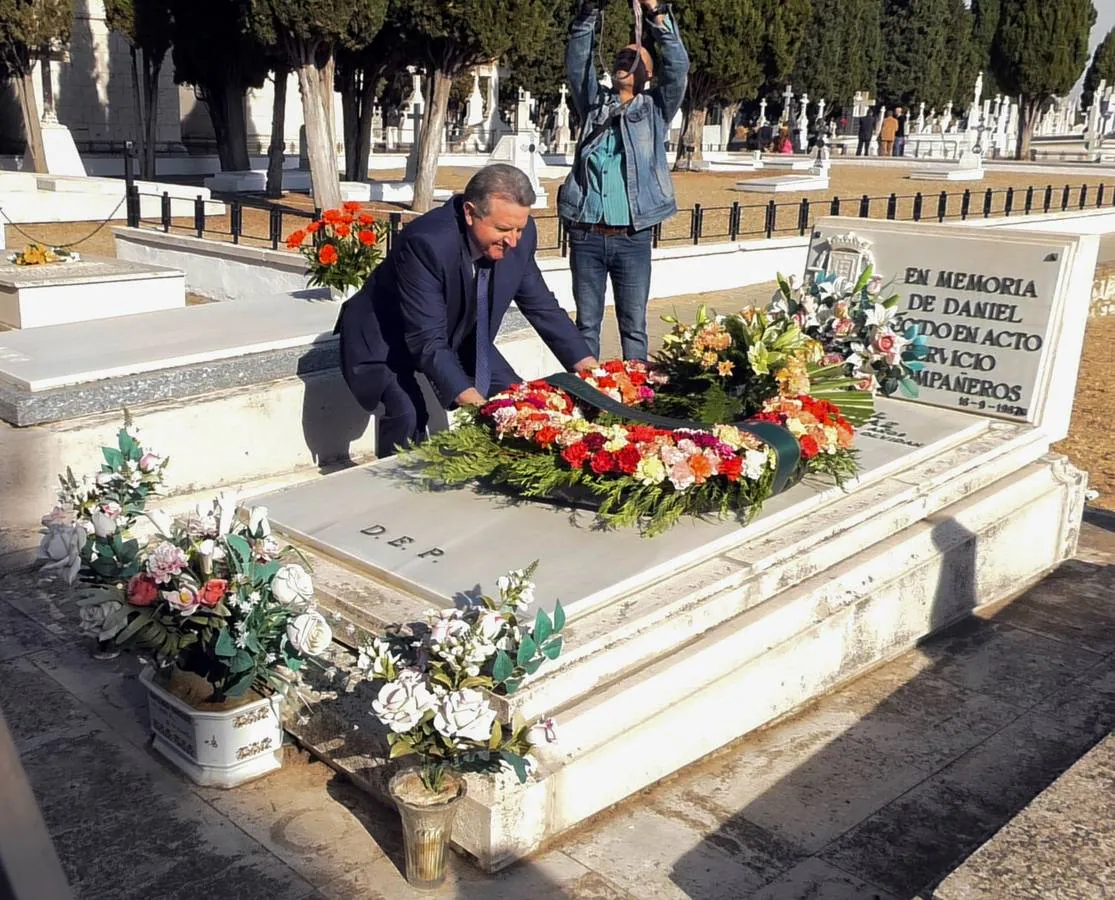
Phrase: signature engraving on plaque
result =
(402, 542)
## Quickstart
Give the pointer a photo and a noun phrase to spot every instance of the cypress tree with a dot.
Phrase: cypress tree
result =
(1040, 50)
(1101, 69)
(842, 50)
(923, 42)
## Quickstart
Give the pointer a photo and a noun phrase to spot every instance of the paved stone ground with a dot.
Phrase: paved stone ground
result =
(875, 791)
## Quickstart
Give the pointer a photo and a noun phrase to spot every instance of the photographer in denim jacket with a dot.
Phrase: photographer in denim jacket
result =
(620, 186)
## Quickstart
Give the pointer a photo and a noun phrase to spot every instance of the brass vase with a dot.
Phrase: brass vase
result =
(427, 825)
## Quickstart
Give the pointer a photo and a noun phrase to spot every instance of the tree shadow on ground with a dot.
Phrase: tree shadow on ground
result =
(892, 781)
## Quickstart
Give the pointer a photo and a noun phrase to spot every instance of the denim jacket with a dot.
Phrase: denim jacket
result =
(644, 124)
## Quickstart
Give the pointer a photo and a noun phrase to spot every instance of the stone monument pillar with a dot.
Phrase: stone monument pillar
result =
(474, 114)
(562, 135)
(762, 113)
(787, 104)
(803, 123)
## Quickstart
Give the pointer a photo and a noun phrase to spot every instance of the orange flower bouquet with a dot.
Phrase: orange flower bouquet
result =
(342, 248)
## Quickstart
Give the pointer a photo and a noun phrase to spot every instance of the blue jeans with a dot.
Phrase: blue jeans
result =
(626, 258)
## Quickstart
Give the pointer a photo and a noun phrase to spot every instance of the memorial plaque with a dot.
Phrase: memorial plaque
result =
(990, 302)
(448, 544)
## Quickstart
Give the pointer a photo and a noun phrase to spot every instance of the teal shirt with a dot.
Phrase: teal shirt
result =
(606, 199)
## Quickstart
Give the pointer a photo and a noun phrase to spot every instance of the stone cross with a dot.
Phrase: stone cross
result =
(762, 112)
(803, 122)
(821, 110)
(921, 118)
(562, 136)
(417, 101)
(977, 97)
(787, 103)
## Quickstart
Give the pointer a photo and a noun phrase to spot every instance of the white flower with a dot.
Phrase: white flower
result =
(754, 462)
(226, 511)
(401, 704)
(258, 524)
(447, 626)
(292, 585)
(545, 732)
(377, 660)
(490, 625)
(309, 633)
(61, 547)
(95, 615)
(879, 315)
(465, 715)
(182, 600)
(104, 525)
(104, 479)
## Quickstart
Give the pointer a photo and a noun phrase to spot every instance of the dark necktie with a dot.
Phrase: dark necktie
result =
(483, 325)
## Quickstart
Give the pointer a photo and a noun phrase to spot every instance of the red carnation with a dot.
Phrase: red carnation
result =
(595, 441)
(605, 381)
(637, 378)
(546, 436)
(639, 434)
(614, 366)
(731, 468)
(603, 462)
(809, 447)
(628, 459)
(576, 454)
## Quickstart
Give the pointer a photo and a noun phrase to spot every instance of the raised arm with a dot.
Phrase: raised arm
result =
(580, 68)
(673, 63)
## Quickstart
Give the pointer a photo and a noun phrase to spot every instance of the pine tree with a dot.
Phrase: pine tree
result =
(451, 38)
(924, 40)
(305, 36)
(1101, 69)
(221, 61)
(28, 31)
(725, 41)
(1040, 50)
(145, 25)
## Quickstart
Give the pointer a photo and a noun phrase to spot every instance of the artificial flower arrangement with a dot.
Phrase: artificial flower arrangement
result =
(210, 594)
(436, 682)
(342, 248)
(40, 254)
(681, 437)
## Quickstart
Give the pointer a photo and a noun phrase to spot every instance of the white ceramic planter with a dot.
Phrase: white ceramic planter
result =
(216, 749)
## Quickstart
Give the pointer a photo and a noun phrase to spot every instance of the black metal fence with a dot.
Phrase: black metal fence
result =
(700, 224)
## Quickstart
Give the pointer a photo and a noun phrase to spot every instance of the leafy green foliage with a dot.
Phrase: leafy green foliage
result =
(26, 26)
(842, 50)
(924, 40)
(725, 39)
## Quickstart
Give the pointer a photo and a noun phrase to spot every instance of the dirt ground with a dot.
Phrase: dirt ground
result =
(1089, 444)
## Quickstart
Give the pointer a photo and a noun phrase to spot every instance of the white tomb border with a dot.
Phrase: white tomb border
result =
(678, 645)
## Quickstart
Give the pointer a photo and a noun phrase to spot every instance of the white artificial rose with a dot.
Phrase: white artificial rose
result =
(465, 715)
(226, 511)
(61, 547)
(292, 585)
(258, 524)
(446, 626)
(545, 732)
(94, 617)
(183, 600)
(104, 525)
(104, 479)
(401, 704)
(309, 633)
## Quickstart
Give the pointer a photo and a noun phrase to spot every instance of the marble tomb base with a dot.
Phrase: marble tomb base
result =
(679, 644)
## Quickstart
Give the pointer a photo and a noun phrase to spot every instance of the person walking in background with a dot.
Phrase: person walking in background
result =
(887, 135)
(866, 133)
(620, 186)
(900, 134)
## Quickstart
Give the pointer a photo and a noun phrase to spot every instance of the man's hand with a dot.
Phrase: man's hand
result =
(586, 365)
(471, 397)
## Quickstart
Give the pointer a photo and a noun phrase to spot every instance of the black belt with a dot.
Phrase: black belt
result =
(598, 228)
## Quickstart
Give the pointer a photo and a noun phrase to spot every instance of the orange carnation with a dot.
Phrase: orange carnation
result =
(313, 227)
(295, 239)
(342, 230)
(701, 467)
(367, 220)
(350, 207)
(331, 215)
(327, 255)
(367, 238)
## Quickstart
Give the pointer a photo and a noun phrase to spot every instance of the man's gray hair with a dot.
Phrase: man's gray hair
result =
(499, 180)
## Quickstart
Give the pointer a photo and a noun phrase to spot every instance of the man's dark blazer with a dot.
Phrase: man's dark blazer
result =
(418, 310)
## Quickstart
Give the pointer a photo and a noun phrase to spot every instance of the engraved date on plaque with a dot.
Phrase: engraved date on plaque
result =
(402, 542)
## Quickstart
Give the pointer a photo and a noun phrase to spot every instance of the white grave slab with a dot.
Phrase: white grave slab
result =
(255, 181)
(784, 184)
(41, 359)
(88, 289)
(788, 161)
(447, 544)
(1004, 311)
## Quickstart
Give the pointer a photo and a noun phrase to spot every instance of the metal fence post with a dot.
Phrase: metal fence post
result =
(834, 207)
(1083, 195)
(864, 206)
(236, 220)
(164, 211)
(695, 224)
(1048, 198)
(917, 206)
(275, 227)
(965, 204)
(395, 222)
(1008, 206)
(199, 215)
(772, 218)
(131, 195)
(1029, 199)
(733, 222)
(988, 202)
(892, 207)
(1065, 194)
(1099, 195)
(942, 206)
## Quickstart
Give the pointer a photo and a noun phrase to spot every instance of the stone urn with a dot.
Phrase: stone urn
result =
(427, 819)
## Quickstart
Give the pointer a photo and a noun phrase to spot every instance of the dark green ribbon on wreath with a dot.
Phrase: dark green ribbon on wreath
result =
(786, 448)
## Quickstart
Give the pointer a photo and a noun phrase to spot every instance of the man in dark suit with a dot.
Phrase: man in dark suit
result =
(434, 307)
